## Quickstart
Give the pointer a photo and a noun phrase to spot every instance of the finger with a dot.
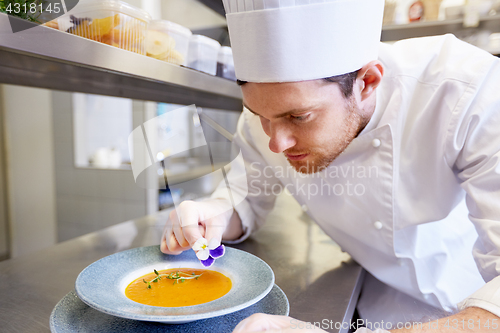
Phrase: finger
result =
(189, 220)
(201, 228)
(179, 235)
(169, 243)
(167, 230)
(213, 230)
(163, 245)
(164, 248)
(193, 232)
(173, 246)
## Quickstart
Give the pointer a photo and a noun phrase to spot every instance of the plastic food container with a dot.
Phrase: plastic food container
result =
(431, 9)
(202, 54)
(225, 63)
(454, 12)
(494, 43)
(168, 41)
(110, 22)
(389, 11)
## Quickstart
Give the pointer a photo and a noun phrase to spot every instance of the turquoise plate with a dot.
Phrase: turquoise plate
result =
(102, 284)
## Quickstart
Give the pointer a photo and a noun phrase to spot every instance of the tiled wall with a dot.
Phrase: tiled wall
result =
(89, 199)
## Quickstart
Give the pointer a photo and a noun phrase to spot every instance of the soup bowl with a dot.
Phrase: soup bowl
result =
(102, 284)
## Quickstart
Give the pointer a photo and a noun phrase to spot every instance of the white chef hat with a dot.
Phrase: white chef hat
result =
(298, 40)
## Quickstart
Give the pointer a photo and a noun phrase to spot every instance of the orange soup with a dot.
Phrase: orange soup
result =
(185, 287)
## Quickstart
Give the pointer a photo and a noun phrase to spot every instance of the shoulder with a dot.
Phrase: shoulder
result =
(445, 90)
(432, 60)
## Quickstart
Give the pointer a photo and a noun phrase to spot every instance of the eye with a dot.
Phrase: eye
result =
(301, 117)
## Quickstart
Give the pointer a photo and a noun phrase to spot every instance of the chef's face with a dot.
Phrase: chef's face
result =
(310, 122)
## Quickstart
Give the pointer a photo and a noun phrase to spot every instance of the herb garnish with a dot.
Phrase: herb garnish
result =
(176, 276)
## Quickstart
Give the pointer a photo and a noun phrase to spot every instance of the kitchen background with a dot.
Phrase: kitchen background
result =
(64, 160)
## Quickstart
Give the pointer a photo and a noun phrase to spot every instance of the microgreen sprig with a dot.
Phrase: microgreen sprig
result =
(176, 276)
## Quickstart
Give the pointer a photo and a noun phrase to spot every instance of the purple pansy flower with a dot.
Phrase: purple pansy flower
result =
(207, 251)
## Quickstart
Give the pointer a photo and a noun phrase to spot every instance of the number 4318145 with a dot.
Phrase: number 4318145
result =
(32, 8)
(471, 324)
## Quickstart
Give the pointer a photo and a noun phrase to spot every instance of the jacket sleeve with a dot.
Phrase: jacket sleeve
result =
(249, 184)
(473, 151)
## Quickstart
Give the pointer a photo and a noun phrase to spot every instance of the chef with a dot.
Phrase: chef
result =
(393, 150)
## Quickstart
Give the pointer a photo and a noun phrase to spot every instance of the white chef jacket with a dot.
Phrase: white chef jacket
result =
(429, 155)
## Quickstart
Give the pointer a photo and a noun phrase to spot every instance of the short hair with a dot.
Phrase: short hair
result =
(345, 82)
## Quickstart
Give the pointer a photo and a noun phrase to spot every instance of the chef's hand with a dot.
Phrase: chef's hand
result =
(260, 322)
(214, 218)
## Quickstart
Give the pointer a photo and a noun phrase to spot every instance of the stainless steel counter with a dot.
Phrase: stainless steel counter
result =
(320, 281)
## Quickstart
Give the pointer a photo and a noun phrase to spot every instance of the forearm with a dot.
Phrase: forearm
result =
(469, 320)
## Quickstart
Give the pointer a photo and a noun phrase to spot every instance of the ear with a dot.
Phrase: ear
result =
(369, 77)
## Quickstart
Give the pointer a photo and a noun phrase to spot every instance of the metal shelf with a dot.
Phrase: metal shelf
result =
(47, 58)
(419, 29)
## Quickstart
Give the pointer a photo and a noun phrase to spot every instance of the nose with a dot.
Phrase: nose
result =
(281, 138)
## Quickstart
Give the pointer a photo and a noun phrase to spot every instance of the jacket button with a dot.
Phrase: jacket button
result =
(378, 225)
(376, 143)
(304, 208)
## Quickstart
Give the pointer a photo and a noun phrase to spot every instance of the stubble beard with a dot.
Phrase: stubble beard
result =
(320, 158)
